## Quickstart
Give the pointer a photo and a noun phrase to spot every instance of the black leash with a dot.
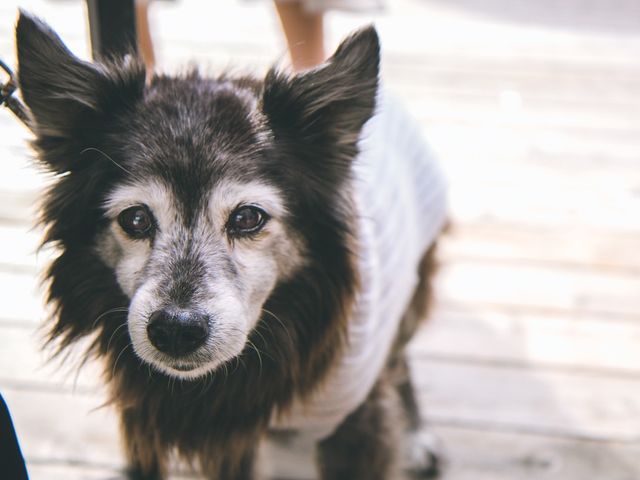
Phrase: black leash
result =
(13, 103)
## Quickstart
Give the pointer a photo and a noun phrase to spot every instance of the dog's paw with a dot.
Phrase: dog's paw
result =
(424, 455)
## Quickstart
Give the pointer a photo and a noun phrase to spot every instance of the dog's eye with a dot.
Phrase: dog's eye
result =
(246, 220)
(136, 221)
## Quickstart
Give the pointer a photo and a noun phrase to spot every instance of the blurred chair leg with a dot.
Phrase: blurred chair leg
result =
(112, 25)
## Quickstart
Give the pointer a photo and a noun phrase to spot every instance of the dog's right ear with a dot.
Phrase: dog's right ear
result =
(64, 94)
(328, 104)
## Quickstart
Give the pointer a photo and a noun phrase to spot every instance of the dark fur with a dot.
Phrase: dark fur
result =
(97, 124)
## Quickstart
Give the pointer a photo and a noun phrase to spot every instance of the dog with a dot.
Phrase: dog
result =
(249, 257)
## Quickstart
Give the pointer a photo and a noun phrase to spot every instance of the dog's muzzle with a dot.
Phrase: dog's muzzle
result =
(177, 332)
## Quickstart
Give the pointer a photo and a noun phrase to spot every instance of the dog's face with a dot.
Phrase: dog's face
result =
(201, 197)
(197, 257)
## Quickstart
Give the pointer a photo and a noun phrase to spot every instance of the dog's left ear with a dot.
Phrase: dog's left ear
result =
(332, 102)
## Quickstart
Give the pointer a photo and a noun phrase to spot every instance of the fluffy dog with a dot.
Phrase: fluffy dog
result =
(241, 266)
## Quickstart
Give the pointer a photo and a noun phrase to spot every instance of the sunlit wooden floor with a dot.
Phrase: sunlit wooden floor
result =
(530, 367)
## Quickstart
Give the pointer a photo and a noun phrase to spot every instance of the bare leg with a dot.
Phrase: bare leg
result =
(145, 43)
(304, 32)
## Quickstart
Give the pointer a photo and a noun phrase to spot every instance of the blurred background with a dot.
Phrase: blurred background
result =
(530, 365)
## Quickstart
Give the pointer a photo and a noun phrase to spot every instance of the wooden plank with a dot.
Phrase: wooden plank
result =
(488, 40)
(44, 469)
(21, 181)
(562, 151)
(476, 454)
(535, 287)
(570, 248)
(24, 346)
(18, 249)
(568, 405)
(555, 207)
(538, 150)
(517, 109)
(522, 123)
(63, 427)
(17, 209)
(21, 297)
(470, 78)
(519, 339)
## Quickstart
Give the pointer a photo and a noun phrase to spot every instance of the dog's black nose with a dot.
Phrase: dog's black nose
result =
(177, 333)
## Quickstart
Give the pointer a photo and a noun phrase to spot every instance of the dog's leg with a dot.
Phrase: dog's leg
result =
(364, 446)
(423, 456)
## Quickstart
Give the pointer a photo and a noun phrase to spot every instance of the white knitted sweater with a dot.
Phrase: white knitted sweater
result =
(401, 197)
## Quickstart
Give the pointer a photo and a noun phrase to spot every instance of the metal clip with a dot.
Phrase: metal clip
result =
(7, 88)
(12, 103)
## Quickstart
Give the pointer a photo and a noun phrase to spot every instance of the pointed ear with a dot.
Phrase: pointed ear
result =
(64, 93)
(331, 102)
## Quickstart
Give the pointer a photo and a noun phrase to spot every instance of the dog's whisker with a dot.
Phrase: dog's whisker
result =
(206, 384)
(97, 150)
(259, 333)
(269, 312)
(237, 360)
(109, 312)
(240, 362)
(267, 327)
(264, 352)
(212, 380)
(259, 355)
(113, 334)
(282, 324)
(115, 364)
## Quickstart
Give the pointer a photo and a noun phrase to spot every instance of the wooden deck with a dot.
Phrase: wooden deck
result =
(530, 368)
